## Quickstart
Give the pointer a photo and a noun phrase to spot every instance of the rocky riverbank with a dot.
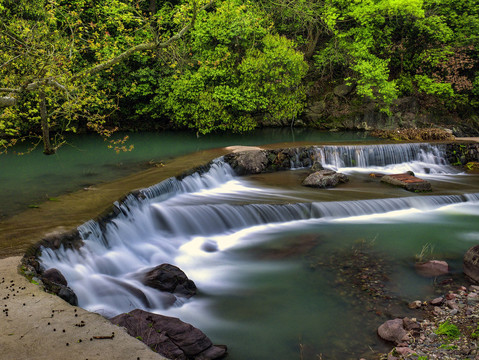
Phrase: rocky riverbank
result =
(449, 328)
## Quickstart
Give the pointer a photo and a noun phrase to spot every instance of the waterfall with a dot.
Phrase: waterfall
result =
(418, 157)
(210, 211)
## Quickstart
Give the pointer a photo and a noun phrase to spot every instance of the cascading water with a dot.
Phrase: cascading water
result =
(205, 222)
(420, 158)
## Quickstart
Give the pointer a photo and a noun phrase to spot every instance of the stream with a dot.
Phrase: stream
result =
(258, 249)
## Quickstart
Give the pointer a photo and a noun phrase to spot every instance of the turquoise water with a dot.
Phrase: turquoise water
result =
(254, 245)
(32, 178)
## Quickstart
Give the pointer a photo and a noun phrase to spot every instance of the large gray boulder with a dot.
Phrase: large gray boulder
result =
(169, 336)
(325, 179)
(170, 278)
(471, 264)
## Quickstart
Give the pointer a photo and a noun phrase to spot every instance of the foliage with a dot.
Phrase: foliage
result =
(236, 70)
(224, 65)
(450, 331)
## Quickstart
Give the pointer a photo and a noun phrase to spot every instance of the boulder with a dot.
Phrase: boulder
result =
(393, 330)
(324, 179)
(170, 278)
(55, 276)
(407, 181)
(471, 264)
(248, 162)
(68, 295)
(169, 336)
(54, 282)
(432, 268)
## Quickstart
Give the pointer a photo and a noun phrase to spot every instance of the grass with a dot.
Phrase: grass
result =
(425, 254)
(450, 331)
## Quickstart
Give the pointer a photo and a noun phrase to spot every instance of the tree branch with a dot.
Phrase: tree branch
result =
(142, 47)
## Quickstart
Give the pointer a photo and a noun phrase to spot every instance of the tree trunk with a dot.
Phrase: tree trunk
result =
(47, 146)
(313, 41)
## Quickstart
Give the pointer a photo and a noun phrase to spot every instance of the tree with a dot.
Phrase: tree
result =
(236, 70)
(46, 63)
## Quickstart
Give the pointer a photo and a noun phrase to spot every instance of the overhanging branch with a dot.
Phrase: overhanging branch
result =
(142, 47)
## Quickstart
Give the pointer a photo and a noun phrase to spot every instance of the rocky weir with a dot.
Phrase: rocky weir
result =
(206, 177)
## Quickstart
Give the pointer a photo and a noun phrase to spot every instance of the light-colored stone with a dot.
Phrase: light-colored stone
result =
(415, 304)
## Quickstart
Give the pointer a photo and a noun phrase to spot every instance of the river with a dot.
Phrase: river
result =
(267, 254)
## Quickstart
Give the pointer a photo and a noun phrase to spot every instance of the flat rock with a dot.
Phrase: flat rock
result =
(432, 268)
(169, 336)
(407, 181)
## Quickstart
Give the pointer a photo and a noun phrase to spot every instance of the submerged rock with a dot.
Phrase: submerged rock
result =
(169, 336)
(324, 179)
(170, 278)
(432, 268)
(407, 181)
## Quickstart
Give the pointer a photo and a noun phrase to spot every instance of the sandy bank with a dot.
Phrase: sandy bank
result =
(37, 325)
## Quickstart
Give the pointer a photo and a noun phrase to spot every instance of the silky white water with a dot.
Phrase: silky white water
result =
(214, 225)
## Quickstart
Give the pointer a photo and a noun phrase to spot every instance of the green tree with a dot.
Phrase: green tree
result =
(236, 71)
(53, 56)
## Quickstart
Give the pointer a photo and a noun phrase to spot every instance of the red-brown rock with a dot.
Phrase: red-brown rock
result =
(432, 268)
(393, 330)
(407, 181)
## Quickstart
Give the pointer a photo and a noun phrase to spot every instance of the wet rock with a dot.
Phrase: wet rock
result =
(432, 268)
(209, 246)
(404, 350)
(407, 181)
(169, 336)
(55, 276)
(472, 298)
(471, 264)
(248, 162)
(415, 304)
(316, 166)
(260, 161)
(68, 295)
(410, 324)
(170, 278)
(393, 330)
(437, 301)
(324, 179)
(437, 311)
